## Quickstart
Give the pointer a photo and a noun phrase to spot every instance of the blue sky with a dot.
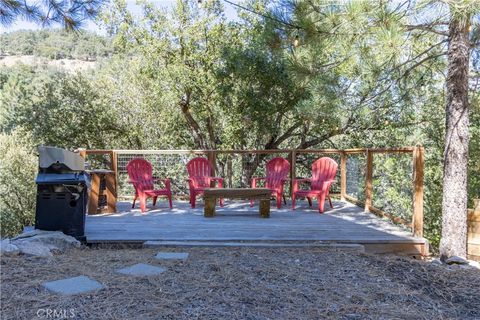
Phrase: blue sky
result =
(21, 24)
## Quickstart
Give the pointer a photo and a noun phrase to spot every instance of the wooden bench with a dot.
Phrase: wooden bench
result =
(212, 194)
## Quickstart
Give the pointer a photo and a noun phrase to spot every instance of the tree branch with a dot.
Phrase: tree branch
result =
(428, 28)
(192, 123)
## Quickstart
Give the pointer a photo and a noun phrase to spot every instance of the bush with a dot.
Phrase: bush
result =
(18, 167)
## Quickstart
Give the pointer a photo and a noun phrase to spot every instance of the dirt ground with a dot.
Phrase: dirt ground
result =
(243, 283)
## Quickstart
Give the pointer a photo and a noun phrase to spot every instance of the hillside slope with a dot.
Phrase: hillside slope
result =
(70, 65)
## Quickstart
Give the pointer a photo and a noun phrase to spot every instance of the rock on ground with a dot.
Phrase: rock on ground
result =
(42, 243)
(55, 238)
(34, 249)
(456, 260)
(6, 248)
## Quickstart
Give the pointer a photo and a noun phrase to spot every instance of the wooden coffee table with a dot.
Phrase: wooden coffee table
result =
(212, 194)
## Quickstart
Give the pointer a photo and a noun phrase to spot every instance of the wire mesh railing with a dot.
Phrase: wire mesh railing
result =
(392, 184)
(387, 182)
(356, 165)
(239, 167)
(165, 165)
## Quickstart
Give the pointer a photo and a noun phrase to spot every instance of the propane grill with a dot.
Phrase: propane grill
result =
(62, 185)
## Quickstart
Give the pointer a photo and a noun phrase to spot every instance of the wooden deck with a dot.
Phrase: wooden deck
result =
(237, 222)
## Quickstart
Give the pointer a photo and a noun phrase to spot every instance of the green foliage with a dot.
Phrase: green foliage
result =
(18, 167)
(56, 44)
(56, 108)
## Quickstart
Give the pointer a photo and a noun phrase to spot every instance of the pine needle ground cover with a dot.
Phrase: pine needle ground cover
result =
(245, 283)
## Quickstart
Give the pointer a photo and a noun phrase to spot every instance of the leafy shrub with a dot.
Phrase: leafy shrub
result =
(18, 166)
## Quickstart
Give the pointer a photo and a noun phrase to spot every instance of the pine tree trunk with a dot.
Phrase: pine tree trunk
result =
(454, 205)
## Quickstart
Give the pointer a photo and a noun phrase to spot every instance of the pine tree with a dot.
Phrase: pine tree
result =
(69, 13)
(386, 44)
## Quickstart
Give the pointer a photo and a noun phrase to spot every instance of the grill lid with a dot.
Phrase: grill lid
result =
(60, 159)
(63, 178)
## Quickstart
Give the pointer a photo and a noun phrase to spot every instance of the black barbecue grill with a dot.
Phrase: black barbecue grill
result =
(62, 185)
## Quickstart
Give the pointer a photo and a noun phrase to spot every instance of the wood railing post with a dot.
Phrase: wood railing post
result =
(115, 170)
(418, 168)
(293, 163)
(368, 181)
(82, 152)
(343, 175)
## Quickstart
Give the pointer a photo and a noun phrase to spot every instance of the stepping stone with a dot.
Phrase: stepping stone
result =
(141, 269)
(171, 256)
(70, 286)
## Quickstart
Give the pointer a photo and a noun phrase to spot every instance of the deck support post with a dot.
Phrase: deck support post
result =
(368, 181)
(418, 173)
(343, 175)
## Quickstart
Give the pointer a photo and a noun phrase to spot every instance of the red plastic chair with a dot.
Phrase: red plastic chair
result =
(200, 177)
(323, 175)
(278, 170)
(140, 174)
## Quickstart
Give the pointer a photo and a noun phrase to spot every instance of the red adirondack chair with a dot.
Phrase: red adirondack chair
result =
(323, 175)
(140, 174)
(277, 174)
(200, 177)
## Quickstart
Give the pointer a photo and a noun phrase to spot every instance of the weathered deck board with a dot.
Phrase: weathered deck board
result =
(346, 223)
